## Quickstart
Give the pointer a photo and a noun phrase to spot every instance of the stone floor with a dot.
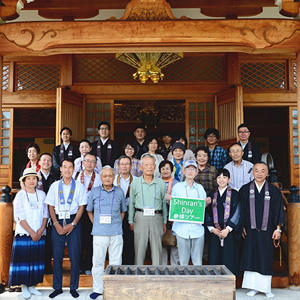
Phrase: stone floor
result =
(280, 294)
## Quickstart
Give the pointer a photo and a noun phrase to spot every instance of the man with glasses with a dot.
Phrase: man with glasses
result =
(251, 151)
(105, 148)
(89, 179)
(217, 155)
(240, 170)
(123, 180)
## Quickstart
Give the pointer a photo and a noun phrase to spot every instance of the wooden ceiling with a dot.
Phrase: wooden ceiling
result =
(80, 9)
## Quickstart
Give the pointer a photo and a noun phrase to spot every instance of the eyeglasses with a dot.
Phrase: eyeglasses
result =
(103, 128)
(90, 161)
(129, 148)
(244, 131)
(211, 136)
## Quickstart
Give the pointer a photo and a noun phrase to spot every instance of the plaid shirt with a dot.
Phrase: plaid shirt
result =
(135, 168)
(218, 157)
(207, 177)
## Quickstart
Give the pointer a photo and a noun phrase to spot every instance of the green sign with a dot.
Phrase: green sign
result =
(187, 210)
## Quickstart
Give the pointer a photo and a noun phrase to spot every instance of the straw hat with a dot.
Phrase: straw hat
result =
(29, 172)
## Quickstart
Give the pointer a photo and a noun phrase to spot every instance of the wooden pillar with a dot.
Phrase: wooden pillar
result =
(293, 212)
(298, 105)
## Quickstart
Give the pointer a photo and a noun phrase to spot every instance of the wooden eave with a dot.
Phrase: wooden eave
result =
(248, 36)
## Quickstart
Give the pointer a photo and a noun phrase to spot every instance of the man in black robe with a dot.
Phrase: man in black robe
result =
(48, 176)
(261, 219)
(65, 150)
(251, 150)
(105, 148)
(222, 219)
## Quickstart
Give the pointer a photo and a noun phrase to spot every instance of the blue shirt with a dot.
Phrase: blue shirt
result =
(183, 229)
(111, 203)
(240, 175)
(218, 157)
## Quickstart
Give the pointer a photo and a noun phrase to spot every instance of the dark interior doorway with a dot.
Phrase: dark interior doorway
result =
(31, 126)
(157, 116)
(270, 130)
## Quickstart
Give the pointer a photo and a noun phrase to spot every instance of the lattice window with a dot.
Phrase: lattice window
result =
(96, 112)
(37, 77)
(201, 117)
(5, 75)
(295, 150)
(103, 69)
(108, 69)
(264, 75)
(294, 75)
(201, 68)
(5, 137)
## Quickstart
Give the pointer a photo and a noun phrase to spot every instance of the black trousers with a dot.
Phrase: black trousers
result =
(128, 244)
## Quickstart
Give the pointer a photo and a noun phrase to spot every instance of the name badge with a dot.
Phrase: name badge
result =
(149, 211)
(105, 219)
(34, 205)
(70, 153)
(64, 215)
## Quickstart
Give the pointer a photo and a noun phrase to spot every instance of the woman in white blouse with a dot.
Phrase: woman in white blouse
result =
(152, 145)
(31, 216)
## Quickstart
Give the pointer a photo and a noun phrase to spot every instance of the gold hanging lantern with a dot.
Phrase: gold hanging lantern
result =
(149, 65)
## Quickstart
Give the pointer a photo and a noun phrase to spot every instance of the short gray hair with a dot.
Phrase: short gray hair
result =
(145, 155)
(107, 167)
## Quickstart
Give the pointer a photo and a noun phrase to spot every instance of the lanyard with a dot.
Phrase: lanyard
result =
(61, 193)
(154, 202)
(37, 199)
(112, 203)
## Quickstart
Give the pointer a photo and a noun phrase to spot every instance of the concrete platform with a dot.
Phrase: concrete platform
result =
(280, 294)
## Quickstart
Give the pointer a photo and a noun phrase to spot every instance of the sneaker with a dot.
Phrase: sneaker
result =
(269, 295)
(95, 295)
(34, 291)
(25, 292)
(252, 293)
(88, 272)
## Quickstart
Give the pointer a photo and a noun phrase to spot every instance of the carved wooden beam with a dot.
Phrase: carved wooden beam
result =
(250, 36)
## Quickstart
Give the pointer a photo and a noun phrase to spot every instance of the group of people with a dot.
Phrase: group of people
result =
(101, 201)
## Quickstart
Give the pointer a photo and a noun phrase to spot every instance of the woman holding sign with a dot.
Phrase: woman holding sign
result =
(189, 233)
(221, 220)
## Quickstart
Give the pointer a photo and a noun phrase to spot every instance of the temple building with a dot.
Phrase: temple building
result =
(174, 66)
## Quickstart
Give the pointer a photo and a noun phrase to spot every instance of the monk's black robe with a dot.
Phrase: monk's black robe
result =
(257, 253)
(227, 255)
(56, 158)
(256, 157)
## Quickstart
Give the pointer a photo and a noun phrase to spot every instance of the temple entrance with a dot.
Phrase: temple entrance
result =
(31, 126)
(157, 116)
(270, 131)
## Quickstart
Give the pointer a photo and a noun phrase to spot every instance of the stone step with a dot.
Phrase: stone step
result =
(280, 294)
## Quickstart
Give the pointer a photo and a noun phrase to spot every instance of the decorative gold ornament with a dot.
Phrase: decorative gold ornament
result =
(149, 65)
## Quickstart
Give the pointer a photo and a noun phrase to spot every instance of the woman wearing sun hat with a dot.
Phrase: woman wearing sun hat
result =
(31, 216)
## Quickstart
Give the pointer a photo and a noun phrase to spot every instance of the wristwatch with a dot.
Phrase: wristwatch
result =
(73, 224)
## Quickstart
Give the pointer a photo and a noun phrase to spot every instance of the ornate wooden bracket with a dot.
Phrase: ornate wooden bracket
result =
(148, 10)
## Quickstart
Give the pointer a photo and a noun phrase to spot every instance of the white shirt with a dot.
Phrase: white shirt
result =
(183, 229)
(44, 174)
(78, 163)
(243, 145)
(221, 191)
(103, 140)
(259, 188)
(33, 211)
(87, 180)
(79, 198)
(124, 184)
(66, 146)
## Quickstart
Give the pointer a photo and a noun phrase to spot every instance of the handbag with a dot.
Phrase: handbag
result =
(169, 239)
